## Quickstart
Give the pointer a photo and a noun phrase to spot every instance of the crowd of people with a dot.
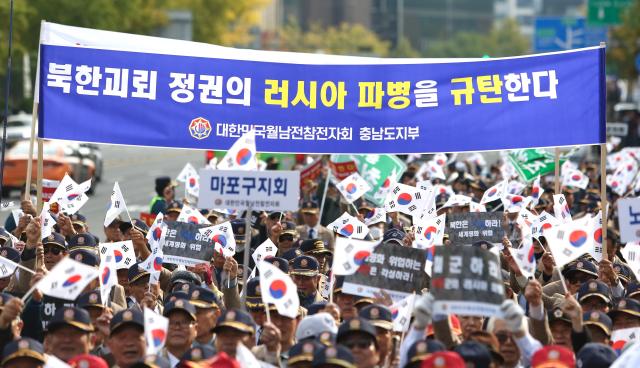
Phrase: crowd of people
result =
(562, 317)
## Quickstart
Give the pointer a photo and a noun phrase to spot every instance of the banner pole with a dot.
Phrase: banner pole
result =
(247, 250)
(34, 119)
(556, 186)
(324, 195)
(40, 173)
(603, 197)
(7, 94)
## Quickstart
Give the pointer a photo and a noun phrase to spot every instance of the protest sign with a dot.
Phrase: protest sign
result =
(467, 228)
(311, 172)
(165, 94)
(466, 280)
(396, 269)
(49, 307)
(531, 163)
(260, 190)
(342, 170)
(184, 245)
(629, 219)
(376, 171)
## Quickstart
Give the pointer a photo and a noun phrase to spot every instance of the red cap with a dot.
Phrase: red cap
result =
(87, 361)
(443, 359)
(221, 360)
(553, 356)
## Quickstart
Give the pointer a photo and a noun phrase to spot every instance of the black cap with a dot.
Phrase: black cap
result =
(55, 239)
(184, 277)
(10, 254)
(235, 319)
(238, 226)
(202, 297)
(310, 207)
(132, 317)
(279, 262)
(174, 206)
(624, 272)
(70, 316)
(302, 352)
(84, 241)
(316, 307)
(595, 288)
(291, 254)
(152, 361)
(580, 265)
(632, 289)
(356, 325)
(598, 319)
(393, 235)
(314, 247)
(595, 355)
(254, 296)
(199, 353)
(89, 299)
(379, 315)
(178, 294)
(626, 305)
(136, 273)
(362, 301)
(304, 266)
(422, 348)
(78, 219)
(474, 352)
(558, 315)
(23, 348)
(86, 257)
(338, 356)
(137, 224)
(180, 305)
(289, 228)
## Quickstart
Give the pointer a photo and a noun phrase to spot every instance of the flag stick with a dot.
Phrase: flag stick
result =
(281, 215)
(26, 269)
(556, 178)
(324, 195)
(331, 283)
(355, 208)
(603, 196)
(266, 309)
(39, 174)
(564, 283)
(29, 292)
(247, 249)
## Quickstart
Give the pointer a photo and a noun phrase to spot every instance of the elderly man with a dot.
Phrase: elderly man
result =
(126, 339)
(69, 333)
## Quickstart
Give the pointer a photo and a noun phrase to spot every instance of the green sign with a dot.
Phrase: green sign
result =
(531, 163)
(375, 169)
(286, 161)
(605, 12)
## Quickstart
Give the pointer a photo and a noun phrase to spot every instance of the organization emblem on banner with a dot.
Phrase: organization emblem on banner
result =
(200, 128)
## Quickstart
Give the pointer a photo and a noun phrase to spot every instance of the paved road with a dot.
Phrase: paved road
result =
(135, 170)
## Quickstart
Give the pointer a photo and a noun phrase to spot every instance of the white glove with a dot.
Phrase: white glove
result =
(513, 315)
(423, 311)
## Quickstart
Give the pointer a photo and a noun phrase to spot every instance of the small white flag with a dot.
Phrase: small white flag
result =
(191, 215)
(515, 187)
(375, 216)
(429, 232)
(353, 187)
(7, 267)
(67, 279)
(561, 208)
(187, 171)
(623, 336)
(475, 207)
(494, 193)
(108, 276)
(264, 250)
(222, 238)
(122, 252)
(575, 178)
(70, 196)
(242, 155)
(46, 221)
(401, 313)
(514, 202)
(536, 192)
(435, 171)
(543, 222)
(116, 205)
(53, 362)
(406, 199)
(457, 200)
(350, 254)
(631, 254)
(155, 331)
(277, 288)
(349, 226)
(569, 241)
(524, 256)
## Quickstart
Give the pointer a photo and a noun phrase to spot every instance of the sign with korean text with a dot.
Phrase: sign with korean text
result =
(49, 307)
(184, 245)
(376, 170)
(606, 11)
(165, 93)
(531, 163)
(396, 269)
(466, 281)
(342, 170)
(468, 228)
(629, 219)
(260, 190)
(311, 172)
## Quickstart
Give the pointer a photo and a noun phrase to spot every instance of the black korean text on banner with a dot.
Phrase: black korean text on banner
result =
(466, 280)
(396, 269)
(184, 245)
(467, 228)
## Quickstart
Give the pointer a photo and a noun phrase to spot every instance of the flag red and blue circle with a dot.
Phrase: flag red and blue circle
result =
(72, 280)
(431, 252)
(386, 183)
(346, 230)
(531, 255)
(192, 182)
(117, 255)
(430, 232)
(244, 156)
(351, 188)
(597, 235)
(158, 336)
(404, 199)
(360, 256)
(278, 288)
(106, 273)
(72, 196)
(220, 239)
(394, 313)
(492, 192)
(157, 263)
(577, 238)
(157, 233)
(192, 220)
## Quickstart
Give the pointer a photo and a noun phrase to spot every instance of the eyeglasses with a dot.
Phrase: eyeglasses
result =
(503, 337)
(54, 250)
(180, 324)
(361, 344)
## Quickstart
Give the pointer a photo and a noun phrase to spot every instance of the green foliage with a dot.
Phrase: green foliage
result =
(625, 43)
(505, 40)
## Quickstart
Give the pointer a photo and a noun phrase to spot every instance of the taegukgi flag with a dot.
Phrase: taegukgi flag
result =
(350, 254)
(349, 226)
(353, 187)
(67, 279)
(277, 288)
(155, 331)
(222, 238)
(242, 155)
(122, 252)
(116, 205)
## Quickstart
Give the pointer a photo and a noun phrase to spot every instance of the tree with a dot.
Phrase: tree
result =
(504, 40)
(346, 39)
(625, 45)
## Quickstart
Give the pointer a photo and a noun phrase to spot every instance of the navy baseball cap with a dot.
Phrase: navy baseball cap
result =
(393, 235)
(84, 241)
(279, 262)
(70, 316)
(313, 247)
(595, 288)
(379, 315)
(55, 239)
(136, 273)
(302, 352)
(199, 353)
(356, 325)
(474, 352)
(598, 319)
(253, 299)
(202, 297)
(310, 207)
(235, 319)
(89, 299)
(595, 355)
(633, 289)
(10, 254)
(23, 348)
(291, 254)
(127, 317)
(422, 348)
(180, 305)
(304, 266)
(626, 305)
(84, 256)
(333, 356)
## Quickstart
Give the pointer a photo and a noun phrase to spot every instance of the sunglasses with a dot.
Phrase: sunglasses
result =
(361, 344)
(503, 337)
(54, 250)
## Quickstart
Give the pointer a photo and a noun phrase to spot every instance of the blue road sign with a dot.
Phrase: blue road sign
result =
(565, 33)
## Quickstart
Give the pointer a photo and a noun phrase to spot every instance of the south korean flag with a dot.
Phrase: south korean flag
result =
(349, 227)
(353, 187)
(406, 199)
